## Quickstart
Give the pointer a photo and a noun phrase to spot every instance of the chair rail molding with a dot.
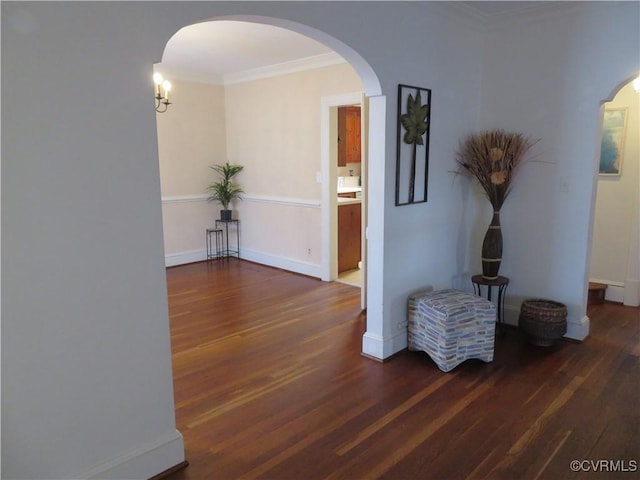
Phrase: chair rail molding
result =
(202, 197)
(191, 198)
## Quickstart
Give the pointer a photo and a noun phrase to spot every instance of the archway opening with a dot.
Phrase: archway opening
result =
(370, 85)
(615, 256)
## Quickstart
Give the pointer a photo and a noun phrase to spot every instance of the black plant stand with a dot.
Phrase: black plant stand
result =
(501, 282)
(213, 235)
(226, 251)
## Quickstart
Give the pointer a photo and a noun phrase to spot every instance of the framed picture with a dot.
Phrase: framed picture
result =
(412, 159)
(612, 149)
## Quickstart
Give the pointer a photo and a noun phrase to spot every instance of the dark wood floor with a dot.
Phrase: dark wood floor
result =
(270, 383)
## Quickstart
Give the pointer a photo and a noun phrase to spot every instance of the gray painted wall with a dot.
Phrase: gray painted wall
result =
(86, 365)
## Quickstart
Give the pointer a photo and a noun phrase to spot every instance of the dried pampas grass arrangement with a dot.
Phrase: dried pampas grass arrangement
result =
(493, 158)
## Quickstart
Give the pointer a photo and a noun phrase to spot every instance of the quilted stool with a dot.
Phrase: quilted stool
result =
(451, 326)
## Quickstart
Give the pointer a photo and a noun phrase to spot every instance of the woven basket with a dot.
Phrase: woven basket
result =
(543, 321)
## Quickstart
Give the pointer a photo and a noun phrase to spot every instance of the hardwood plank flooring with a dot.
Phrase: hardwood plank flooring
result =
(270, 384)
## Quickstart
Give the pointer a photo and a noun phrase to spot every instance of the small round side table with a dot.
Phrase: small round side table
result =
(501, 282)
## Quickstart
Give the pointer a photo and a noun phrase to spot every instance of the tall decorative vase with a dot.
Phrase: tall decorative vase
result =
(492, 249)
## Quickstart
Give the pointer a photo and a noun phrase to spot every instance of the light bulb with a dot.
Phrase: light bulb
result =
(157, 78)
(167, 88)
(636, 84)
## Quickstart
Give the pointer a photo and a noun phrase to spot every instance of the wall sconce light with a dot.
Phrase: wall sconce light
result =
(162, 97)
(636, 84)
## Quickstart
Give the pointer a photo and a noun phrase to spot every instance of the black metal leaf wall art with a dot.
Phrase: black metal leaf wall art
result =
(413, 144)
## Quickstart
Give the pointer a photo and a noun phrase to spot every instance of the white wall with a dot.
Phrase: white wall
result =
(617, 207)
(541, 79)
(422, 242)
(280, 149)
(280, 152)
(87, 389)
(191, 138)
(86, 374)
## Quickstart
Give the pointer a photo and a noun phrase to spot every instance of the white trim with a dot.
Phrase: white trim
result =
(380, 347)
(197, 197)
(373, 345)
(285, 68)
(577, 329)
(614, 293)
(182, 258)
(294, 202)
(329, 187)
(377, 317)
(142, 462)
(609, 283)
(290, 264)
(188, 75)
(615, 290)
(631, 296)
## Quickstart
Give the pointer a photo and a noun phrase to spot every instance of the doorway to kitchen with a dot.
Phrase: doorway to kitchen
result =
(344, 158)
(349, 194)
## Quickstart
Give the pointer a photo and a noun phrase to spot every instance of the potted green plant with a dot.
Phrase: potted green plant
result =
(224, 190)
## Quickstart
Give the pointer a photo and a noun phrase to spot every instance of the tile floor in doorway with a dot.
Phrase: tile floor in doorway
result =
(351, 277)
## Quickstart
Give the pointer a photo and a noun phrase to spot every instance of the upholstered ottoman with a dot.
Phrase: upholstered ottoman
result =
(451, 326)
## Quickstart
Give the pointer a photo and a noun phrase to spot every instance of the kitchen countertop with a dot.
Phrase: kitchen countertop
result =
(349, 189)
(348, 201)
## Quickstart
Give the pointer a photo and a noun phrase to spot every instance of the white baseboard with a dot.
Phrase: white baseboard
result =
(614, 293)
(292, 265)
(578, 328)
(380, 348)
(296, 266)
(373, 345)
(182, 258)
(143, 462)
(631, 292)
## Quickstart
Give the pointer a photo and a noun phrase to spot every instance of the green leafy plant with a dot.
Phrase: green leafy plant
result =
(224, 190)
(415, 124)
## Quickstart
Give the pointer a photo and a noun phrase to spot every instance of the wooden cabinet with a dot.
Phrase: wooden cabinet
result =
(349, 236)
(348, 135)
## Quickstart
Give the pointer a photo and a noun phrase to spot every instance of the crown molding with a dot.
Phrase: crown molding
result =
(187, 75)
(276, 70)
(285, 68)
(531, 15)
(461, 12)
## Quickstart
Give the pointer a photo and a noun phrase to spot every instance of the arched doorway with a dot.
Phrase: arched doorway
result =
(615, 255)
(376, 146)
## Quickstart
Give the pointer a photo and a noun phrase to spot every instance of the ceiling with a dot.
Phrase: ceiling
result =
(214, 51)
(220, 48)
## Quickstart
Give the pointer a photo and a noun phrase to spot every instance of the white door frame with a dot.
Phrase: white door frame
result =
(329, 196)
